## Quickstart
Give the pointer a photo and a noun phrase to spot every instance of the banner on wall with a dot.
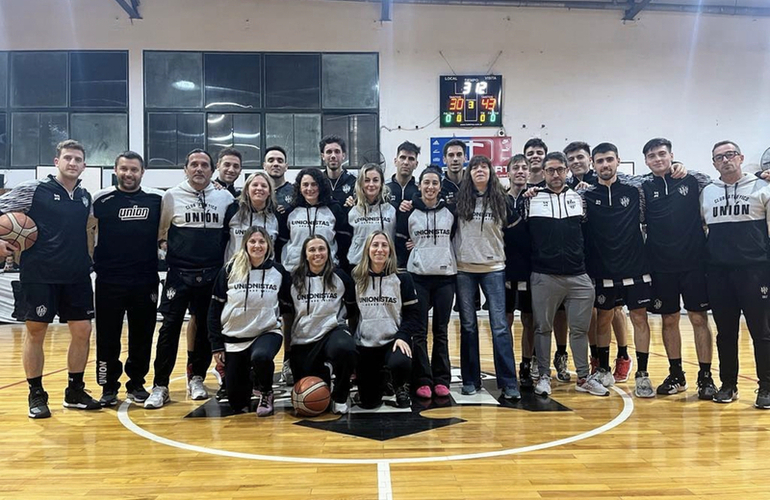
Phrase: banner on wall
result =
(498, 149)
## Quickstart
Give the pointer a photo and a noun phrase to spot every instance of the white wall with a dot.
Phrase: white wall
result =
(567, 75)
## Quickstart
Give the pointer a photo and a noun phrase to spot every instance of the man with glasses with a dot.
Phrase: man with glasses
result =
(555, 218)
(736, 209)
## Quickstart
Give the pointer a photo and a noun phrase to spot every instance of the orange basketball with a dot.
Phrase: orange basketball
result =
(310, 397)
(18, 228)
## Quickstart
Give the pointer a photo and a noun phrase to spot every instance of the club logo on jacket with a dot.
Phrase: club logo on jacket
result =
(764, 291)
(85, 201)
(346, 188)
(56, 197)
(683, 190)
(170, 293)
(134, 213)
(625, 201)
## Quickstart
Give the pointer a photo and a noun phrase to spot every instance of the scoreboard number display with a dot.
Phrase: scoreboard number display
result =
(471, 100)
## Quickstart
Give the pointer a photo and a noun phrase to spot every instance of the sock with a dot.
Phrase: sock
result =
(594, 351)
(604, 357)
(704, 368)
(35, 383)
(75, 380)
(675, 366)
(623, 351)
(641, 361)
(561, 349)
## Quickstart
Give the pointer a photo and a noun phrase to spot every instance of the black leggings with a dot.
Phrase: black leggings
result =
(336, 348)
(257, 357)
(436, 292)
(732, 291)
(371, 361)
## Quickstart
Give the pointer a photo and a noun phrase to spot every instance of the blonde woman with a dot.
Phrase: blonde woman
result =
(371, 210)
(388, 317)
(245, 320)
(255, 206)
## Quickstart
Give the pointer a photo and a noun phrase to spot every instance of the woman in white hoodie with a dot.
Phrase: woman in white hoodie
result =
(483, 211)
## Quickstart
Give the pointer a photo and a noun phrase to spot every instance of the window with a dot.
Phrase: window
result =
(104, 135)
(34, 137)
(39, 79)
(173, 80)
(240, 131)
(50, 96)
(99, 79)
(3, 79)
(292, 81)
(360, 132)
(171, 136)
(350, 81)
(233, 82)
(298, 134)
(253, 100)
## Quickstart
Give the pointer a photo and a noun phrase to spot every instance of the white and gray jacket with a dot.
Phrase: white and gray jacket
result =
(431, 231)
(319, 309)
(738, 220)
(364, 222)
(236, 225)
(479, 244)
(241, 312)
(305, 220)
(388, 310)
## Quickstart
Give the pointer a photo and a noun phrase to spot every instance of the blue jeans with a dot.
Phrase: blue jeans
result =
(493, 286)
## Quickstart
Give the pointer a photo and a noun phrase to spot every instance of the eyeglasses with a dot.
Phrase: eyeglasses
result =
(554, 171)
(725, 156)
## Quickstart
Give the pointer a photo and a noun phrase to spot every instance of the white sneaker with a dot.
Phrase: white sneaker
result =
(543, 385)
(340, 408)
(286, 375)
(605, 377)
(592, 385)
(196, 389)
(158, 398)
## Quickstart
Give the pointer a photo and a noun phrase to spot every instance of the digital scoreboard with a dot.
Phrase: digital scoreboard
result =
(471, 100)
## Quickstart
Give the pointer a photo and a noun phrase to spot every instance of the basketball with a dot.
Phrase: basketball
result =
(18, 228)
(310, 397)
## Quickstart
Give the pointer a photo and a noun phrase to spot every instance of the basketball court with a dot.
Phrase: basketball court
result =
(567, 446)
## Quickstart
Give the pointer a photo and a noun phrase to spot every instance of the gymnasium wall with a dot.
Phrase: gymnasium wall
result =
(568, 75)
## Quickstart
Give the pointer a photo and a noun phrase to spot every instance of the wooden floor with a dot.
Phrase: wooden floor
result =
(616, 447)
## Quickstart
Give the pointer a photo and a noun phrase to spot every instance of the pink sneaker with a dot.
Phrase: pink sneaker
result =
(423, 392)
(441, 390)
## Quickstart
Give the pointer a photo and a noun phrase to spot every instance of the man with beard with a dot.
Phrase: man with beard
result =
(275, 165)
(616, 261)
(333, 153)
(126, 221)
(228, 169)
(402, 185)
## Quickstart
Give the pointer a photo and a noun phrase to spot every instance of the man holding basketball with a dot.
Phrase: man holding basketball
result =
(55, 274)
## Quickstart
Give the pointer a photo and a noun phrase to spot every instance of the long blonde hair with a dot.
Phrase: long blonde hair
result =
(361, 202)
(240, 262)
(361, 271)
(244, 200)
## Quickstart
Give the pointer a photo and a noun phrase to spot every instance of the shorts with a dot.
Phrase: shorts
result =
(636, 295)
(518, 297)
(42, 301)
(667, 288)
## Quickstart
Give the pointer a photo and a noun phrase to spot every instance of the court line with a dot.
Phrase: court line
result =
(628, 408)
(384, 488)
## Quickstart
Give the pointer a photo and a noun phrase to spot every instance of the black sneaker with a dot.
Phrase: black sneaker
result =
(706, 387)
(38, 404)
(673, 384)
(726, 394)
(109, 397)
(402, 397)
(221, 395)
(79, 399)
(525, 376)
(138, 394)
(763, 399)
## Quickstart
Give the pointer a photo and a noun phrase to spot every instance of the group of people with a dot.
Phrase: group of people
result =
(342, 270)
